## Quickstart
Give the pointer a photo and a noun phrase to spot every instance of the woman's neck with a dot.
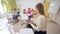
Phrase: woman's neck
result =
(36, 15)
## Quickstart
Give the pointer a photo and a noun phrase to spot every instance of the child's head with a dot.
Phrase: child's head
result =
(28, 8)
(24, 9)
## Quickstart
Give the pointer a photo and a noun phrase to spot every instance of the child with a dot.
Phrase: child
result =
(19, 25)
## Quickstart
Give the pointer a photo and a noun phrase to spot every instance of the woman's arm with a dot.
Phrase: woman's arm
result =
(40, 24)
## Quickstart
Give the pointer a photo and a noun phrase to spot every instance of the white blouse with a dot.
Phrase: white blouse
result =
(40, 22)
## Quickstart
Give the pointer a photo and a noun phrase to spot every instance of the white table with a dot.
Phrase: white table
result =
(3, 26)
(26, 31)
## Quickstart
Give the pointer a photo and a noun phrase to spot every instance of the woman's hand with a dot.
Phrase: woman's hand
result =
(30, 22)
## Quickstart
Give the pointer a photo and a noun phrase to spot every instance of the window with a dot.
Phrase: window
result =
(1, 8)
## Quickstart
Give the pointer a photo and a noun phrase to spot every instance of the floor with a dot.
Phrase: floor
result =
(52, 28)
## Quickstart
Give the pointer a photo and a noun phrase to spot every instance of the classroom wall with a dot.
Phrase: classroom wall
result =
(24, 4)
(57, 17)
(13, 4)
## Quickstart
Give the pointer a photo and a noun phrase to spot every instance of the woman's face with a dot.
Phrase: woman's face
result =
(35, 11)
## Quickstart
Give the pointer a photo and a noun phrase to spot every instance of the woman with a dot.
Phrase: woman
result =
(38, 21)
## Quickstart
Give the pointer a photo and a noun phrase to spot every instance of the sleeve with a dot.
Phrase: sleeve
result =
(40, 25)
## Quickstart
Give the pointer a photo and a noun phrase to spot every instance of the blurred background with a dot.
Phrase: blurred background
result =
(51, 10)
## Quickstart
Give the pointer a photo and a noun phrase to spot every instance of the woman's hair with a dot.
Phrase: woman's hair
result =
(40, 8)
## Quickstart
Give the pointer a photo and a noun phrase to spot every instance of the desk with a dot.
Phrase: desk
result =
(26, 31)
